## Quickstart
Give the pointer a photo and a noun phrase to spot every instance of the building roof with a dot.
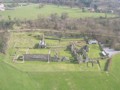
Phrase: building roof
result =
(2, 7)
(93, 42)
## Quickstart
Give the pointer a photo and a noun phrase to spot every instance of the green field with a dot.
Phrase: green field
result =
(32, 12)
(15, 79)
(20, 42)
(55, 76)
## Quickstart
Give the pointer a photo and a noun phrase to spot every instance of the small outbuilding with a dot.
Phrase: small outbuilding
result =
(42, 43)
(2, 7)
(92, 42)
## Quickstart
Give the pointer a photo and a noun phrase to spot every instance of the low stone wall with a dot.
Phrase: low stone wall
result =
(108, 64)
(36, 57)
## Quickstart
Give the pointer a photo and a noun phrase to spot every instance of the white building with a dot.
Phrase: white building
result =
(2, 7)
(93, 42)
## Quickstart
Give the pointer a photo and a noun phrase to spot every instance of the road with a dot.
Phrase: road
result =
(111, 52)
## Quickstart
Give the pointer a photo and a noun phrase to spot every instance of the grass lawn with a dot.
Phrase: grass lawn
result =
(25, 40)
(32, 12)
(94, 51)
(14, 79)
(54, 75)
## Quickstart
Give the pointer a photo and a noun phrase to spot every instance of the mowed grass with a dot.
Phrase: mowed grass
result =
(25, 40)
(94, 51)
(32, 12)
(55, 75)
(14, 79)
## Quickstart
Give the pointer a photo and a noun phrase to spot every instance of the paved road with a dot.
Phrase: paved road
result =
(2, 31)
(111, 52)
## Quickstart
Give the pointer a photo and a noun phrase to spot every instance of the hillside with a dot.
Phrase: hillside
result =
(14, 79)
(33, 11)
(58, 46)
(34, 75)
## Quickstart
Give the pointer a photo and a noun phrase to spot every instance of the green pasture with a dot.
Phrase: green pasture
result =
(94, 51)
(55, 75)
(32, 12)
(12, 78)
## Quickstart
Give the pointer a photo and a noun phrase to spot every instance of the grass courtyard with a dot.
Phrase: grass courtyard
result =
(20, 42)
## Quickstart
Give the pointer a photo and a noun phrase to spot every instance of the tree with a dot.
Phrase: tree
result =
(54, 17)
(86, 2)
(71, 3)
(83, 9)
(95, 7)
(64, 16)
(4, 36)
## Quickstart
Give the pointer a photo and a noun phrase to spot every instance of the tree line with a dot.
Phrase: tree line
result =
(58, 2)
(106, 30)
(4, 36)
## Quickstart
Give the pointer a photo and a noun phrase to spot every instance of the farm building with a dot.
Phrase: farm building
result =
(42, 43)
(92, 42)
(2, 7)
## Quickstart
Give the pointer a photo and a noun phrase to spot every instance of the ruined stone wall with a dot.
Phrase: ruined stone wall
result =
(36, 57)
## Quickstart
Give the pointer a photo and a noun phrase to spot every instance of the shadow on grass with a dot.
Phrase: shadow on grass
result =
(108, 64)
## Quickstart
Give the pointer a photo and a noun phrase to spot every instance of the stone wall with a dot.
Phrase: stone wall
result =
(36, 57)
